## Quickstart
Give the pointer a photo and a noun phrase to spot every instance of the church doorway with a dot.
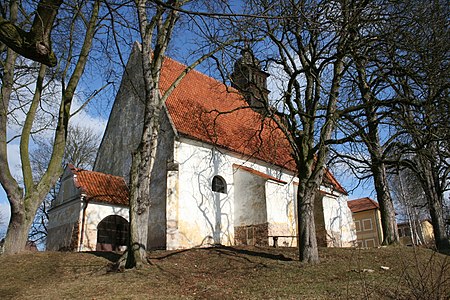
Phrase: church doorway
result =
(112, 234)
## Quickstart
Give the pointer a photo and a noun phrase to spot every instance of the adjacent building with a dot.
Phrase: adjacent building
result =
(420, 233)
(366, 215)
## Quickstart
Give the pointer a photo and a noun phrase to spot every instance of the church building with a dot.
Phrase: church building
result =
(223, 172)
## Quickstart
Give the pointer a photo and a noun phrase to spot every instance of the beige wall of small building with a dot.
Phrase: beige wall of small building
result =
(368, 228)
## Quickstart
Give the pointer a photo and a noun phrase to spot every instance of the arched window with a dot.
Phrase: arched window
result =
(219, 185)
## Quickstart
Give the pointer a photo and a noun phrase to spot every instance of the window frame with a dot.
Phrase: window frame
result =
(358, 227)
(364, 227)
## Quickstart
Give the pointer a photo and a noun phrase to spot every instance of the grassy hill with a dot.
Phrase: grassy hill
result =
(230, 273)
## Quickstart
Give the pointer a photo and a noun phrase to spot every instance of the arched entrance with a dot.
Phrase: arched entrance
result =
(112, 234)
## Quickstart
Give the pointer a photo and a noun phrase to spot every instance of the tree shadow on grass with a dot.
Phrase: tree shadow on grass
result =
(111, 256)
(227, 250)
(261, 254)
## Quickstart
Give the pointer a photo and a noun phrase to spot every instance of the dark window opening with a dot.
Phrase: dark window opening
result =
(219, 185)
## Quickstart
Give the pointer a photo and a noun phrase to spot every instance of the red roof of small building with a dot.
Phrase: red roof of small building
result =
(362, 204)
(258, 173)
(101, 187)
(207, 110)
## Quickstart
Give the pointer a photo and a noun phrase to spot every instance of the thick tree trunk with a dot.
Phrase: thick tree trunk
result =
(18, 228)
(307, 240)
(25, 201)
(378, 168)
(434, 198)
(137, 255)
(437, 220)
(17, 235)
(387, 211)
(140, 177)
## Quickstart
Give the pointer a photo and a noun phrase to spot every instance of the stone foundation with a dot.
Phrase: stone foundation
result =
(254, 235)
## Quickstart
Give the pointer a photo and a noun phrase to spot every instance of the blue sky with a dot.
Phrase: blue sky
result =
(96, 117)
(97, 122)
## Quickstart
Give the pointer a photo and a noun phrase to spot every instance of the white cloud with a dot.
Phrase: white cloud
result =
(4, 213)
(83, 119)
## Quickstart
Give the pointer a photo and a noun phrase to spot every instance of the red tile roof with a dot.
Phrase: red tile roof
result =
(362, 204)
(101, 187)
(205, 109)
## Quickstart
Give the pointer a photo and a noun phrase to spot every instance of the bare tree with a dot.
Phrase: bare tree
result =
(417, 57)
(25, 199)
(310, 43)
(157, 21)
(81, 150)
(364, 86)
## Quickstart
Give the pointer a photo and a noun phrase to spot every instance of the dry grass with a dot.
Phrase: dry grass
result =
(231, 273)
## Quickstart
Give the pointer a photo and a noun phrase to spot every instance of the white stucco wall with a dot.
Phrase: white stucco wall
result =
(95, 213)
(281, 213)
(62, 224)
(338, 219)
(198, 216)
(249, 199)
(206, 217)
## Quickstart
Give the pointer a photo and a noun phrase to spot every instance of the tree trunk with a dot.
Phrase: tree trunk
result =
(387, 211)
(437, 220)
(25, 201)
(306, 227)
(137, 255)
(378, 167)
(140, 178)
(18, 228)
(434, 198)
(308, 251)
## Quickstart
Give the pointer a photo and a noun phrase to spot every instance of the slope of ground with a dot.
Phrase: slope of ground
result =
(231, 273)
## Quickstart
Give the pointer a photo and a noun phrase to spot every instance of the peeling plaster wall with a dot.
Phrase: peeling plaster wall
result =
(63, 227)
(249, 199)
(95, 213)
(338, 219)
(206, 217)
(172, 210)
(250, 212)
(280, 213)
(63, 224)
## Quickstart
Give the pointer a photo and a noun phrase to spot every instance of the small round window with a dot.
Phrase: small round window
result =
(219, 185)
